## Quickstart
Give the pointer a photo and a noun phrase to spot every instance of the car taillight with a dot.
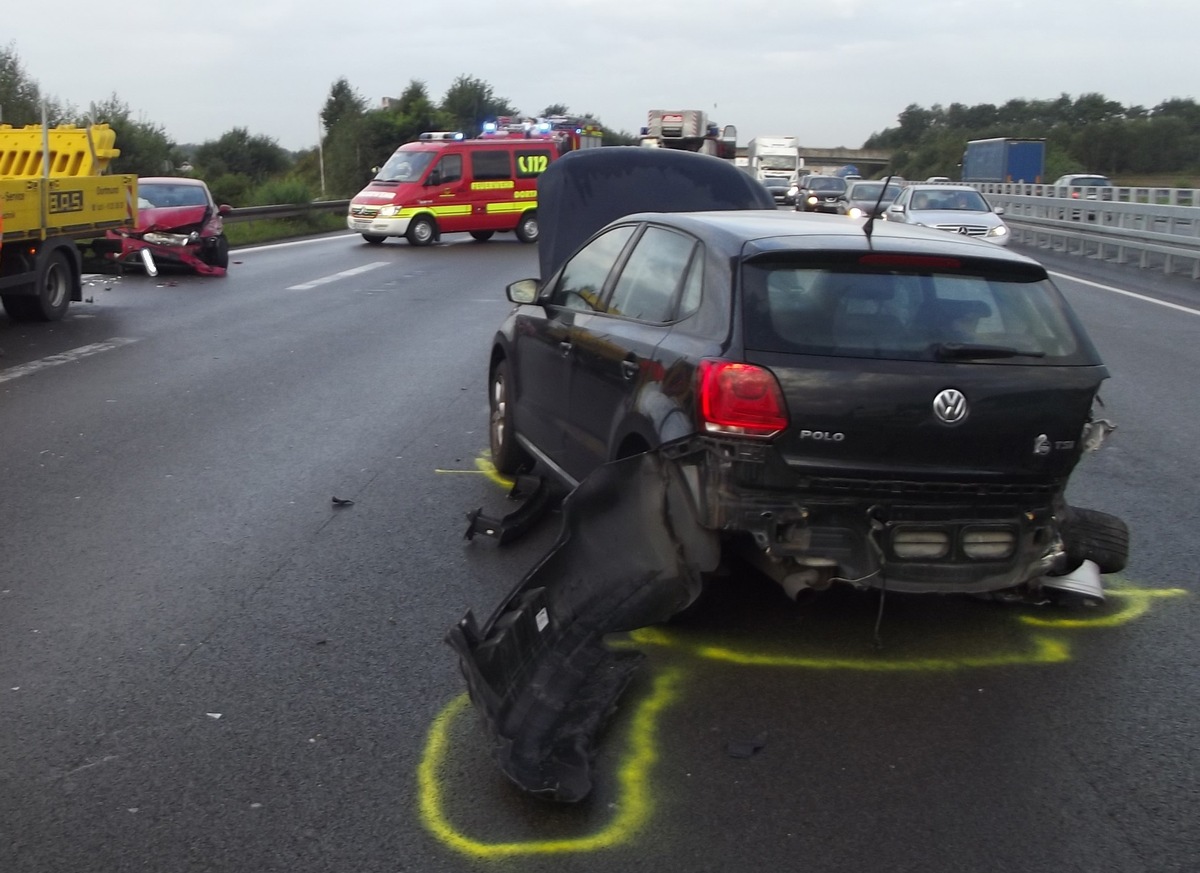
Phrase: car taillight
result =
(740, 399)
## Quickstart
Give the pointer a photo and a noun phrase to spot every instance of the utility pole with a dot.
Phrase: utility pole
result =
(321, 151)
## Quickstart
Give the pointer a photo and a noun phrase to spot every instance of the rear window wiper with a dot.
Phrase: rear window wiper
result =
(963, 351)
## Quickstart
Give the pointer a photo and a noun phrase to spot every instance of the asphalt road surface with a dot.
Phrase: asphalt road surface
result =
(208, 665)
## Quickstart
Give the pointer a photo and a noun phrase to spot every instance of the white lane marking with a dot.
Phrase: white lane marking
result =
(1141, 297)
(324, 280)
(67, 357)
(341, 237)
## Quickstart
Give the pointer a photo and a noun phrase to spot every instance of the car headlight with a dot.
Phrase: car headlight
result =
(855, 212)
(793, 191)
(812, 200)
(169, 239)
(1000, 230)
(388, 211)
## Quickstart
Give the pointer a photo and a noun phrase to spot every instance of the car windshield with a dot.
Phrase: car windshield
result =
(156, 195)
(405, 166)
(777, 162)
(1090, 181)
(844, 310)
(827, 184)
(961, 199)
(871, 192)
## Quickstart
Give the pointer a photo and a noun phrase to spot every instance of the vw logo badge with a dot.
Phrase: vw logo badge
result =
(950, 406)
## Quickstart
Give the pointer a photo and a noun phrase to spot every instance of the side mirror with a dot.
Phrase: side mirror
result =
(999, 210)
(523, 291)
(896, 207)
(224, 209)
(435, 178)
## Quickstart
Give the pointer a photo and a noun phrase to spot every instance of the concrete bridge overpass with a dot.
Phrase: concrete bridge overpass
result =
(869, 161)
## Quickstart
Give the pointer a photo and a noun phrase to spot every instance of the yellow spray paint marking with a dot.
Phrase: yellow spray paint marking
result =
(487, 468)
(1136, 604)
(633, 805)
(1045, 651)
(484, 467)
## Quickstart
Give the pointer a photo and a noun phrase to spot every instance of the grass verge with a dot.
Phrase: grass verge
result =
(246, 233)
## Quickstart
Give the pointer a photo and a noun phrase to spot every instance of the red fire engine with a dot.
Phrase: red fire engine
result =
(566, 131)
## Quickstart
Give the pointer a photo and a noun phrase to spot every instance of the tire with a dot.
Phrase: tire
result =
(373, 238)
(1090, 535)
(55, 281)
(421, 231)
(527, 227)
(507, 455)
(218, 255)
(482, 235)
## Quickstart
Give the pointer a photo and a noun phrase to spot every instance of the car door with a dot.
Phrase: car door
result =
(447, 191)
(615, 348)
(544, 342)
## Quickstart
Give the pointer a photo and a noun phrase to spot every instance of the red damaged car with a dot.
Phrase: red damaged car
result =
(179, 223)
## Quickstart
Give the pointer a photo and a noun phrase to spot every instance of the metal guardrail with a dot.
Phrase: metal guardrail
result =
(298, 210)
(1152, 228)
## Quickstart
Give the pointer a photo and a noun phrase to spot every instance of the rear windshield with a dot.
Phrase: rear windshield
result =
(827, 184)
(847, 311)
(871, 192)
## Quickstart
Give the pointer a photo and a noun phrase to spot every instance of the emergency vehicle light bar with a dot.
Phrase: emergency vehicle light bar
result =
(440, 134)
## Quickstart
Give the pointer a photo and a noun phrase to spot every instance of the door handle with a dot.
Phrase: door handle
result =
(629, 369)
(565, 347)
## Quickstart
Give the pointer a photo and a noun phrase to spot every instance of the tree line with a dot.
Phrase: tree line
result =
(1088, 133)
(245, 169)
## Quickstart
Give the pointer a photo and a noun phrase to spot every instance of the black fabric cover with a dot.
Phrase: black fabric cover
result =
(585, 190)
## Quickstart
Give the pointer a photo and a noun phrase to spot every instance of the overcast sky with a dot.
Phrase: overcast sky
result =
(831, 72)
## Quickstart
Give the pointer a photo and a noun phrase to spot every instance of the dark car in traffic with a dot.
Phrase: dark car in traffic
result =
(816, 193)
(780, 189)
(863, 198)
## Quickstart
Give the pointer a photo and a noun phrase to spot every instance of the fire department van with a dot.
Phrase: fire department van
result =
(443, 183)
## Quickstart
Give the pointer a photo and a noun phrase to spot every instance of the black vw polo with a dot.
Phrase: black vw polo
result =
(893, 407)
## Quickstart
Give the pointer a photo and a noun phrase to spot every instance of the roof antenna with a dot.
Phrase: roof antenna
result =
(870, 225)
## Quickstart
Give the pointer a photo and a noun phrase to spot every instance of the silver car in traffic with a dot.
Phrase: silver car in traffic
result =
(954, 208)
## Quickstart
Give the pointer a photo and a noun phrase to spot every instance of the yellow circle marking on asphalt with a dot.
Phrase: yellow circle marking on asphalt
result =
(633, 804)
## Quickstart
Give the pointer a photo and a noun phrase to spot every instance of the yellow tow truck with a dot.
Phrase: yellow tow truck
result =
(54, 194)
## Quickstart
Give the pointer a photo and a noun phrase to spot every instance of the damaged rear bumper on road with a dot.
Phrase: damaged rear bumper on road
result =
(538, 670)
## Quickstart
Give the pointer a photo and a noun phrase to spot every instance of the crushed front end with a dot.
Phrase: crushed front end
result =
(185, 247)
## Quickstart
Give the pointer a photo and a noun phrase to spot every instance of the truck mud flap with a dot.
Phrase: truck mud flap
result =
(630, 553)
